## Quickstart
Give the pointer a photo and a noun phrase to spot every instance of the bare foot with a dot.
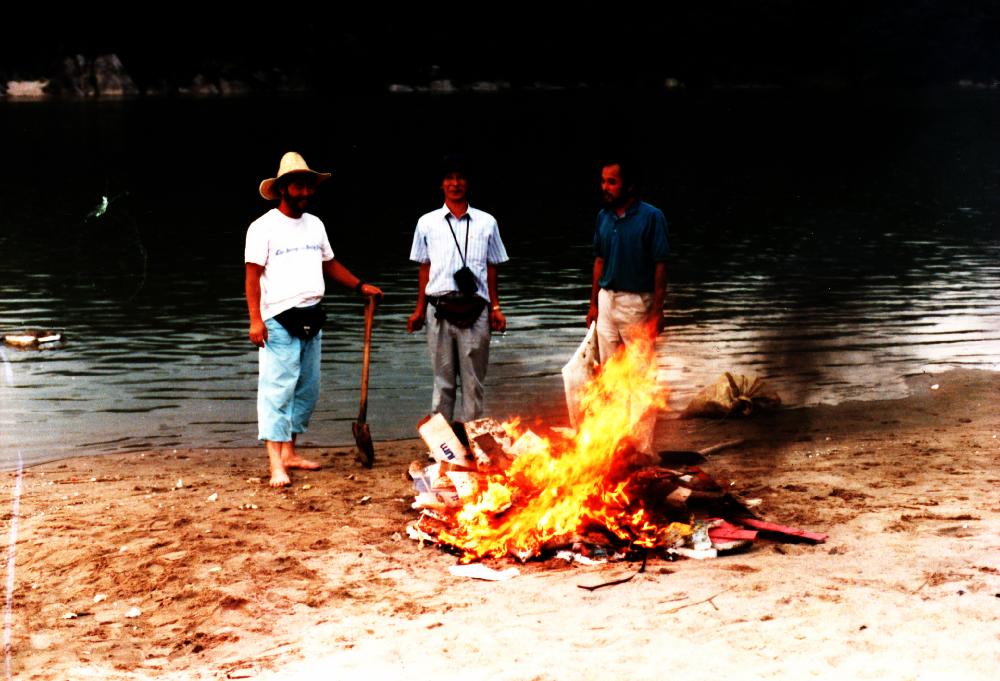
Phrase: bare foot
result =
(279, 478)
(296, 461)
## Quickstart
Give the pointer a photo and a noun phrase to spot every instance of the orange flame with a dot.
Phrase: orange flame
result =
(565, 484)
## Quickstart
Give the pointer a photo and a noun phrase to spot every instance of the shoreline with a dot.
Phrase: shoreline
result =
(913, 382)
(282, 584)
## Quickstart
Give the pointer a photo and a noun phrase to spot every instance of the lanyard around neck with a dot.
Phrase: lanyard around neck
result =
(468, 221)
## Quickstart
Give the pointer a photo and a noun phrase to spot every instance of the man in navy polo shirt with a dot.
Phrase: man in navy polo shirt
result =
(630, 264)
(630, 275)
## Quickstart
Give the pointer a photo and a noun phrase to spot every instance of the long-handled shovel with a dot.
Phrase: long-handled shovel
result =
(363, 438)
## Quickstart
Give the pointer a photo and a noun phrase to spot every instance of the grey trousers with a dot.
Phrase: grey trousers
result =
(458, 354)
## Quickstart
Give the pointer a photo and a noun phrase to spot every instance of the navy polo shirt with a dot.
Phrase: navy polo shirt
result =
(631, 245)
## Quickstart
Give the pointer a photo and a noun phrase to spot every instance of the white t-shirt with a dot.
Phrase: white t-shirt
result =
(292, 252)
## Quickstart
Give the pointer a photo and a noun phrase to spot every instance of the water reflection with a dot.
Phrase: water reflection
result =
(148, 386)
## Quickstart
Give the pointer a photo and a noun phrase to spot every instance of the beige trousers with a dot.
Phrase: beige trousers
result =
(620, 315)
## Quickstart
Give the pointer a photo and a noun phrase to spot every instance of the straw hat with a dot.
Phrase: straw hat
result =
(290, 163)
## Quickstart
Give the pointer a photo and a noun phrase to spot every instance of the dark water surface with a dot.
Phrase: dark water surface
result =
(834, 243)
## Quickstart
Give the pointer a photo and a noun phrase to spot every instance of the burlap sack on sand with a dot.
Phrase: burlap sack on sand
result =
(732, 396)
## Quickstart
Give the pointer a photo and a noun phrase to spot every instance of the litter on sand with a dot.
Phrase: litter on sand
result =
(480, 571)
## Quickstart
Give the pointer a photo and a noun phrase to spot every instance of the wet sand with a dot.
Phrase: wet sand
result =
(320, 581)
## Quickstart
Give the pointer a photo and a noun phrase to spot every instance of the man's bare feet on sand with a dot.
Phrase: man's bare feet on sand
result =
(279, 476)
(290, 459)
(296, 461)
(281, 456)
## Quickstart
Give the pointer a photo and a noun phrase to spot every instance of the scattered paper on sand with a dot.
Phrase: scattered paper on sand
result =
(480, 571)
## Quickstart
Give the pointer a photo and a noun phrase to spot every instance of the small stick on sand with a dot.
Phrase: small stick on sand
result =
(705, 451)
(616, 582)
(688, 605)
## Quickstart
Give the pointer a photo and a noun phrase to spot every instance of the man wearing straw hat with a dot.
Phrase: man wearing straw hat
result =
(287, 254)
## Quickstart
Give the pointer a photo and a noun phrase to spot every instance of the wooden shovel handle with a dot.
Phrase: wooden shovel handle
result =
(369, 318)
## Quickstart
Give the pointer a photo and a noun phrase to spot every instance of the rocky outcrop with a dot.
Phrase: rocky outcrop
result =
(105, 76)
(111, 79)
(200, 85)
(78, 77)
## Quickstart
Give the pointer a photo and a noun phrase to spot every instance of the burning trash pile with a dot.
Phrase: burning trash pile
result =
(499, 489)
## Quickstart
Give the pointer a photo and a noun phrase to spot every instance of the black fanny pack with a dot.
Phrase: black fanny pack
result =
(302, 322)
(461, 311)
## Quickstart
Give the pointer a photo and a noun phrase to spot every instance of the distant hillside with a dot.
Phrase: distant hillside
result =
(770, 42)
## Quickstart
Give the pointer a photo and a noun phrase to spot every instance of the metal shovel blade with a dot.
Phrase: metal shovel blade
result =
(363, 438)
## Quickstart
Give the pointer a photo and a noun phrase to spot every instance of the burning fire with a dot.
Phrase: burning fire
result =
(563, 485)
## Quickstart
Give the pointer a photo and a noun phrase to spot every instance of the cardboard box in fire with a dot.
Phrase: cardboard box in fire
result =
(443, 442)
(459, 472)
(434, 489)
(491, 448)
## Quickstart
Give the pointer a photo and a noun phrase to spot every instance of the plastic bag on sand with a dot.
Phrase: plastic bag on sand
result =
(577, 373)
(732, 395)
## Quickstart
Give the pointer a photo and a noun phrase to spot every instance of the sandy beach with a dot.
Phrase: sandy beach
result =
(183, 564)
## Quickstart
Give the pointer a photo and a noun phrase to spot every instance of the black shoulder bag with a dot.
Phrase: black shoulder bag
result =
(465, 307)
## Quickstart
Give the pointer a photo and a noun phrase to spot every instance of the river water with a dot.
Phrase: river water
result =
(833, 244)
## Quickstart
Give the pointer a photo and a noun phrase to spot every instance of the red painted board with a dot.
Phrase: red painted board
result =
(764, 526)
(730, 532)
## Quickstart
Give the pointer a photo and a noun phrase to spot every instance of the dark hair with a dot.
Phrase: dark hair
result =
(454, 163)
(628, 168)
